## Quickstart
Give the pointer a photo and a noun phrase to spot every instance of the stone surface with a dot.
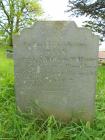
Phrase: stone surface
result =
(55, 70)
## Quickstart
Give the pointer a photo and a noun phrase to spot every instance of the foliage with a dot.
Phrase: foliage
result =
(95, 11)
(19, 126)
(16, 15)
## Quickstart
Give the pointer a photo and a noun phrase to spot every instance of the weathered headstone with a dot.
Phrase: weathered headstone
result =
(55, 70)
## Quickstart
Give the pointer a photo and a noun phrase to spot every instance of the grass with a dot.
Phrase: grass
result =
(18, 126)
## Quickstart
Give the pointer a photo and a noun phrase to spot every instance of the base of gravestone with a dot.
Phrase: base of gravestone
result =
(34, 110)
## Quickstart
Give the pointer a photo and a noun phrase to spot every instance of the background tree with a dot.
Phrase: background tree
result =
(95, 11)
(17, 14)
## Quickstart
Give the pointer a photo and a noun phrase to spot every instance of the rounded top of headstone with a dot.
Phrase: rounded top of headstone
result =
(43, 31)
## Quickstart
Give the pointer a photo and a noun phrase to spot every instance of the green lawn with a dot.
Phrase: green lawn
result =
(18, 126)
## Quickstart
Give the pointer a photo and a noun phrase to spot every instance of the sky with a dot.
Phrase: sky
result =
(55, 10)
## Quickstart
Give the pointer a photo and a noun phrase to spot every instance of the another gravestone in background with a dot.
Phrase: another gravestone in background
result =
(9, 53)
(55, 70)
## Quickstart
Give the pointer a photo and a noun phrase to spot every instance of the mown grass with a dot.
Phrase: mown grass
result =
(18, 126)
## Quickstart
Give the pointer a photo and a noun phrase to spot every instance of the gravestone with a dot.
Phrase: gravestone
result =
(55, 70)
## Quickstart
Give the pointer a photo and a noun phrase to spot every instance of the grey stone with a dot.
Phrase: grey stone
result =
(55, 70)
